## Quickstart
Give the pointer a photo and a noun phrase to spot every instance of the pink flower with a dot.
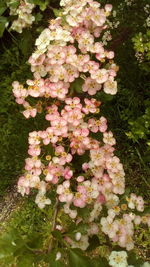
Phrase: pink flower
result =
(68, 173)
(98, 17)
(59, 90)
(56, 54)
(73, 21)
(81, 61)
(100, 76)
(38, 61)
(80, 179)
(19, 91)
(85, 41)
(108, 8)
(97, 156)
(30, 111)
(79, 200)
(49, 136)
(73, 117)
(108, 138)
(32, 163)
(114, 164)
(59, 127)
(36, 87)
(57, 72)
(71, 73)
(70, 52)
(110, 54)
(61, 156)
(72, 103)
(91, 106)
(91, 67)
(97, 48)
(52, 113)
(98, 125)
(63, 190)
(54, 172)
(34, 150)
(91, 86)
(23, 187)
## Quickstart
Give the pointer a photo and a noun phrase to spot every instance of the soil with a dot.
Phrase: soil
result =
(8, 204)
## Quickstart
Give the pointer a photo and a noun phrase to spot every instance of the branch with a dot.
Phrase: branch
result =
(53, 224)
(121, 38)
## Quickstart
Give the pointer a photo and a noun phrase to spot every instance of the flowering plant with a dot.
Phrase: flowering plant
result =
(71, 163)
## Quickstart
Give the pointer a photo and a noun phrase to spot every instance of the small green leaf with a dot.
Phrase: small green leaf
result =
(77, 259)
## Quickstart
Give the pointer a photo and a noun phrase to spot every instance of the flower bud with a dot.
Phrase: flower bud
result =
(58, 256)
(77, 236)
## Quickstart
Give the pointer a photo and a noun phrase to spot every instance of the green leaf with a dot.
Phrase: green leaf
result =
(104, 97)
(3, 22)
(38, 17)
(77, 259)
(99, 262)
(25, 42)
(81, 227)
(57, 234)
(94, 242)
(14, 4)
(56, 264)
(25, 260)
(133, 260)
(42, 4)
(51, 259)
(57, 12)
(3, 7)
(77, 85)
(146, 211)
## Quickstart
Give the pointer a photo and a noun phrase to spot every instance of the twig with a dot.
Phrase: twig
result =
(53, 224)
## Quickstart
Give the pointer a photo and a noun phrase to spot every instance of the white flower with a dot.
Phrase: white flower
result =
(63, 35)
(95, 212)
(82, 244)
(65, 2)
(110, 87)
(118, 259)
(41, 200)
(43, 40)
(108, 138)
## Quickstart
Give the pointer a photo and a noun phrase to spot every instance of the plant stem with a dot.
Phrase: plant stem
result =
(53, 224)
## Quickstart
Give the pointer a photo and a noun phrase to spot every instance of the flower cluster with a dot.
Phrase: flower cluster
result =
(24, 13)
(74, 156)
(119, 259)
(62, 63)
(69, 133)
